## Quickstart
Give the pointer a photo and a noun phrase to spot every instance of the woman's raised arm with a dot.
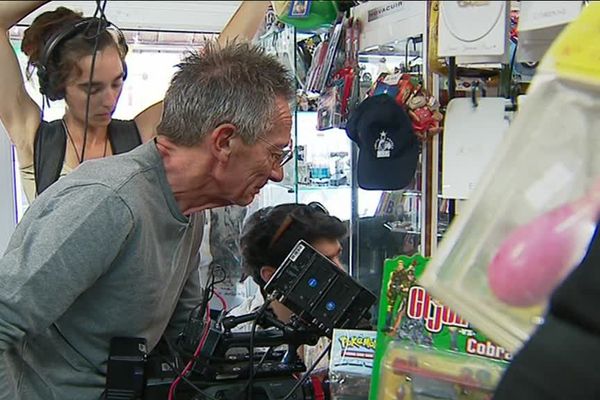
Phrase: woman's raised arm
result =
(243, 25)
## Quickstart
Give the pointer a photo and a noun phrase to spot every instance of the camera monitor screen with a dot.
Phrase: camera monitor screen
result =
(318, 291)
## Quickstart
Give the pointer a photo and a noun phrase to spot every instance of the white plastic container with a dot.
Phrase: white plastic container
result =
(531, 217)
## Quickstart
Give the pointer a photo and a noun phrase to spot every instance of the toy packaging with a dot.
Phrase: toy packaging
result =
(411, 372)
(409, 316)
(529, 221)
(351, 363)
(408, 91)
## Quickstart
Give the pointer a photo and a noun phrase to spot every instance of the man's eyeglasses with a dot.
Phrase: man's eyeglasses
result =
(280, 156)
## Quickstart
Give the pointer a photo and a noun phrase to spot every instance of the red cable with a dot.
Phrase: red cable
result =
(188, 366)
(319, 393)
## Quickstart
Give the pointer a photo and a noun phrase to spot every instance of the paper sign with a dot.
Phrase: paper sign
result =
(471, 136)
(545, 14)
(472, 28)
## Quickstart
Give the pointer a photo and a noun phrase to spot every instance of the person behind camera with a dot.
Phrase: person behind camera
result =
(112, 248)
(270, 234)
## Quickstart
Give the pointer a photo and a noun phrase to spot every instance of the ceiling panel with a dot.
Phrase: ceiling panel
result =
(195, 16)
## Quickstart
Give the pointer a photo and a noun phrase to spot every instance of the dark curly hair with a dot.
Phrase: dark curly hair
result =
(67, 54)
(287, 223)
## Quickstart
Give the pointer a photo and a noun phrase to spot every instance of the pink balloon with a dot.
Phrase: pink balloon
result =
(535, 257)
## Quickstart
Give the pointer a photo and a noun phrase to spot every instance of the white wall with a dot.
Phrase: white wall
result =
(195, 16)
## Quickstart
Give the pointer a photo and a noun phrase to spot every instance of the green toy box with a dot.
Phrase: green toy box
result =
(409, 316)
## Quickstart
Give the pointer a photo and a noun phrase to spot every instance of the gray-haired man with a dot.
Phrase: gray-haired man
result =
(112, 249)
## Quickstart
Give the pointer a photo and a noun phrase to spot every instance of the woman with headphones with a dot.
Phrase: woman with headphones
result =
(61, 45)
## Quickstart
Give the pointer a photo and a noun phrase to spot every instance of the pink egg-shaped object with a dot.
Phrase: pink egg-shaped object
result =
(535, 257)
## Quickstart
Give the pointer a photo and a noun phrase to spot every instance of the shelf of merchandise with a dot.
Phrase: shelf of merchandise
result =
(334, 150)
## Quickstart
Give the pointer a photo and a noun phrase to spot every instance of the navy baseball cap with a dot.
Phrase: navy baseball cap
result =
(388, 148)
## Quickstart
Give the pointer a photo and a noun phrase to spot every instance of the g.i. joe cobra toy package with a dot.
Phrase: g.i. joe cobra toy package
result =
(409, 316)
(413, 372)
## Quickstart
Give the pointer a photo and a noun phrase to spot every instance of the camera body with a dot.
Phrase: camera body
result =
(126, 375)
(321, 295)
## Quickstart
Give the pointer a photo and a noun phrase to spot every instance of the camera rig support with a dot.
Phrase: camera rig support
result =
(224, 363)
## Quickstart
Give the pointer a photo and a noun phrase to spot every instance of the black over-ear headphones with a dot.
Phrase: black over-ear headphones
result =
(48, 86)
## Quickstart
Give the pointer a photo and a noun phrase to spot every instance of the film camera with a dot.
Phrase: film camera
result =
(225, 362)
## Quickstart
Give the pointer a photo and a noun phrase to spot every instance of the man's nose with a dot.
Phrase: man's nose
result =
(276, 173)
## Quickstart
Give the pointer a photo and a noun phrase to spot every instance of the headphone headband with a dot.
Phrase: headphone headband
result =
(96, 27)
(66, 33)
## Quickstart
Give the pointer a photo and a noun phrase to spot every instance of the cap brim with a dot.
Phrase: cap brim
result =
(387, 173)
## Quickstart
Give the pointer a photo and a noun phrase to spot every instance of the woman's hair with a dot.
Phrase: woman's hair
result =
(270, 234)
(65, 55)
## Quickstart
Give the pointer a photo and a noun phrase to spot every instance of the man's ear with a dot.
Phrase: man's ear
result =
(221, 141)
(266, 273)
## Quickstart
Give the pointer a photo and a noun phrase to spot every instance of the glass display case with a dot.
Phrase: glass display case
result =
(382, 224)
(324, 169)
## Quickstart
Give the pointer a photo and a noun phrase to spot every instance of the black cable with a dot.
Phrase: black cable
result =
(307, 373)
(262, 360)
(173, 367)
(211, 281)
(264, 357)
(202, 306)
(99, 8)
(206, 296)
(225, 275)
(186, 380)
(259, 314)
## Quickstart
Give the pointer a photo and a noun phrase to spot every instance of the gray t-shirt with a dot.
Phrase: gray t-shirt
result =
(103, 252)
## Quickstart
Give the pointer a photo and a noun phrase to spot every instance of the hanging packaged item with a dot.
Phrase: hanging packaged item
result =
(474, 31)
(540, 22)
(408, 92)
(335, 80)
(329, 112)
(533, 213)
(306, 14)
(323, 61)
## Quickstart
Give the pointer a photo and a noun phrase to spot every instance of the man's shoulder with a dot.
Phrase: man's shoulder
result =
(116, 171)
